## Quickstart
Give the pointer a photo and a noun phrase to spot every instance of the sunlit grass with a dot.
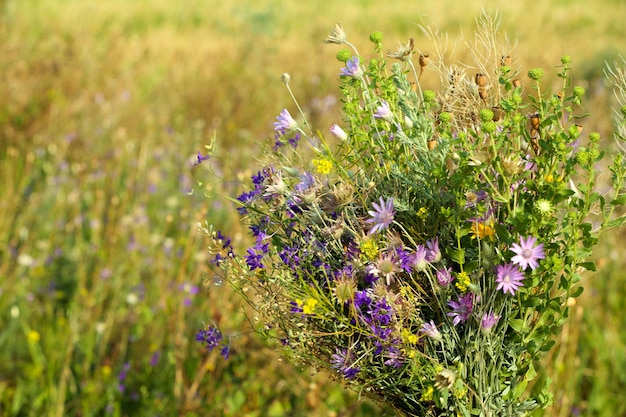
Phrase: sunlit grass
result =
(103, 106)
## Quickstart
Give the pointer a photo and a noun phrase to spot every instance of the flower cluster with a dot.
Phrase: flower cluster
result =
(427, 254)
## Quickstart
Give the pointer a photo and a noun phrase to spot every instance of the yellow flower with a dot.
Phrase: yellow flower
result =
(33, 336)
(422, 213)
(409, 337)
(462, 281)
(106, 371)
(482, 230)
(427, 395)
(323, 165)
(309, 306)
(369, 248)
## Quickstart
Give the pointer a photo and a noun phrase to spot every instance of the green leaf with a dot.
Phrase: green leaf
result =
(517, 325)
(589, 265)
(577, 292)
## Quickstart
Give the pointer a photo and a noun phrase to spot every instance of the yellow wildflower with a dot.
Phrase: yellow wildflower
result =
(369, 248)
(309, 306)
(427, 395)
(422, 213)
(33, 336)
(408, 337)
(323, 165)
(482, 230)
(462, 281)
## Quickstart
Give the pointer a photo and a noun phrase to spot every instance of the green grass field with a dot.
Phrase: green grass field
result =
(104, 278)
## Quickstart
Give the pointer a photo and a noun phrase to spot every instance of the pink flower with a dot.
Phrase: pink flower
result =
(509, 278)
(527, 254)
(382, 215)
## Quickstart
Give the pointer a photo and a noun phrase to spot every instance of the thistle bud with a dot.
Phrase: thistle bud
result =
(376, 37)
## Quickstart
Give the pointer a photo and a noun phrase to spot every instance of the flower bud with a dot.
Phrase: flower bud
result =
(485, 115)
(376, 37)
(578, 91)
(429, 96)
(338, 132)
(566, 59)
(535, 74)
(343, 55)
(285, 78)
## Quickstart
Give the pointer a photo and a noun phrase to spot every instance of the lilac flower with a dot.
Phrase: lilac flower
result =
(509, 278)
(342, 360)
(445, 277)
(200, 159)
(395, 357)
(488, 321)
(338, 132)
(433, 254)
(254, 259)
(527, 254)
(285, 123)
(353, 68)
(382, 215)
(416, 261)
(383, 111)
(462, 308)
(430, 330)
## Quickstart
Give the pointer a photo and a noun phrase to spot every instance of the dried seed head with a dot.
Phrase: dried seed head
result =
(337, 35)
(445, 379)
(505, 61)
(403, 52)
(424, 61)
(481, 80)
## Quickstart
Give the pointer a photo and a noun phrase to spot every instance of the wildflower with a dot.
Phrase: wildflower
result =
(462, 308)
(383, 111)
(417, 260)
(509, 278)
(481, 230)
(463, 281)
(382, 215)
(368, 248)
(445, 277)
(210, 338)
(430, 330)
(403, 52)
(488, 321)
(338, 132)
(433, 254)
(386, 266)
(285, 123)
(201, 158)
(527, 253)
(353, 68)
(543, 207)
(337, 35)
(342, 360)
(323, 166)
(445, 379)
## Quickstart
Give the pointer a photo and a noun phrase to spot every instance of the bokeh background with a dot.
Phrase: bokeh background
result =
(104, 278)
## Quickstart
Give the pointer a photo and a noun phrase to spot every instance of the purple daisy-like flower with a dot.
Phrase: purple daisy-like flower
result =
(527, 253)
(488, 321)
(353, 68)
(342, 361)
(430, 330)
(462, 308)
(445, 277)
(433, 254)
(509, 278)
(383, 111)
(285, 123)
(382, 215)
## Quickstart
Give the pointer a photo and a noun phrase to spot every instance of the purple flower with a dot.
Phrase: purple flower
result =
(433, 254)
(342, 360)
(445, 277)
(462, 308)
(430, 330)
(382, 215)
(527, 254)
(201, 158)
(509, 278)
(417, 260)
(488, 321)
(211, 337)
(285, 123)
(383, 111)
(353, 68)
(338, 132)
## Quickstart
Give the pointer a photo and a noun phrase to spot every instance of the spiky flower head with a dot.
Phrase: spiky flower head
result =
(343, 55)
(485, 115)
(337, 35)
(429, 96)
(566, 59)
(543, 207)
(578, 91)
(403, 52)
(376, 37)
(535, 74)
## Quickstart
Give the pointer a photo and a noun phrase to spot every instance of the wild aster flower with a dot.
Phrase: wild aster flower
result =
(527, 253)
(462, 308)
(418, 260)
(433, 254)
(445, 277)
(488, 321)
(353, 68)
(285, 123)
(509, 278)
(386, 266)
(383, 111)
(430, 330)
(338, 132)
(382, 215)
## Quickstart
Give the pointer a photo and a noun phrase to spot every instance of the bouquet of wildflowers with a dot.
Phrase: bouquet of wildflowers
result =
(427, 251)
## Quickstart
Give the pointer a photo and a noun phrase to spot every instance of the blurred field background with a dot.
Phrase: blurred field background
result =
(104, 279)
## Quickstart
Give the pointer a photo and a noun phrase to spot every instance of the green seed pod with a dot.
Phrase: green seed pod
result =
(429, 96)
(489, 127)
(376, 37)
(485, 115)
(343, 55)
(578, 91)
(445, 117)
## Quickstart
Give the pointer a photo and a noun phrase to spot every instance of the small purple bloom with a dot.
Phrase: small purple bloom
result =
(201, 158)
(488, 321)
(445, 277)
(338, 132)
(353, 68)
(285, 123)
(509, 278)
(342, 360)
(382, 215)
(430, 330)
(211, 337)
(383, 111)
(433, 254)
(527, 254)
(462, 308)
